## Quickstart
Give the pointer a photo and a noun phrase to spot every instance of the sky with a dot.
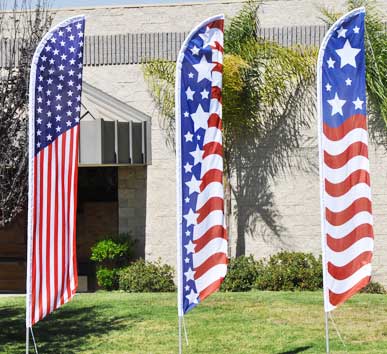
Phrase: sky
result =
(87, 3)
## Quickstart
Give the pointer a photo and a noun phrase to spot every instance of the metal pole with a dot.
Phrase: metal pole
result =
(326, 333)
(180, 341)
(27, 340)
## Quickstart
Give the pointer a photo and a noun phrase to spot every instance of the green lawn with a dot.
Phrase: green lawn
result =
(254, 322)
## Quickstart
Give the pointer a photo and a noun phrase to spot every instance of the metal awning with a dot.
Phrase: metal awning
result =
(112, 133)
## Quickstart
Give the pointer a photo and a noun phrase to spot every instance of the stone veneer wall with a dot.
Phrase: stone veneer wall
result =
(296, 195)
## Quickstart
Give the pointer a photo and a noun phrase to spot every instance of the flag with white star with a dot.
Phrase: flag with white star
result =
(54, 113)
(201, 232)
(346, 220)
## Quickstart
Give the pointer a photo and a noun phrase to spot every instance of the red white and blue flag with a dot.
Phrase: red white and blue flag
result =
(201, 232)
(347, 223)
(54, 113)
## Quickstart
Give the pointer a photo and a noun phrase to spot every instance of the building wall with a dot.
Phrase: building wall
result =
(296, 194)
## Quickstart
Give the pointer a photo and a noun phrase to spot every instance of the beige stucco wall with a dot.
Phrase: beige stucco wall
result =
(296, 194)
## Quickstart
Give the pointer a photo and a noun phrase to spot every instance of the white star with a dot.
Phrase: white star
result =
(72, 49)
(39, 121)
(40, 99)
(337, 105)
(71, 38)
(56, 51)
(40, 110)
(70, 93)
(72, 61)
(198, 137)
(191, 218)
(190, 247)
(38, 132)
(68, 28)
(49, 81)
(60, 87)
(348, 82)
(186, 260)
(204, 94)
(44, 58)
(188, 137)
(191, 75)
(186, 114)
(204, 69)
(211, 36)
(40, 88)
(71, 82)
(78, 25)
(48, 48)
(58, 118)
(63, 56)
(192, 297)
(356, 30)
(341, 32)
(60, 33)
(328, 87)
(49, 125)
(42, 68)
(58, 97)
(58, 128)
(189, 93)
(188, 233)
(53, 40)
(68, 123)
(38, 145)
(80, 34)
(187, 199)
(358, 103)
(347, 54)
(200, 118)
(189, 274)
(193, 185)
(62, 43)
(61, 77)
(197, 155)
(58, 107)
(195, 50)
(49, 137)
(52, 61)
(187, 167)
(186, 287)
(331, 63)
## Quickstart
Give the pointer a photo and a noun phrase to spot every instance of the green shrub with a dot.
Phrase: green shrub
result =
(113, 250)
(143, 276)
(111, 254)
(107, 278)
(291, 271)
(373, 287)
(241, 274)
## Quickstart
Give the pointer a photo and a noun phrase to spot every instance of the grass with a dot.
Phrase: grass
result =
(254, 322)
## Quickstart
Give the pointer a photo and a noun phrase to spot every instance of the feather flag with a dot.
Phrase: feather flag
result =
(201, 233)
(54, 110)
(347, 223)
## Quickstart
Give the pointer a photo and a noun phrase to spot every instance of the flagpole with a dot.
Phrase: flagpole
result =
(27, 340)
(180, 340)
(326, 332)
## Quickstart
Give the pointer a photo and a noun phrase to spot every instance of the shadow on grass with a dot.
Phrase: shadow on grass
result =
(65, 331)
(297, 350)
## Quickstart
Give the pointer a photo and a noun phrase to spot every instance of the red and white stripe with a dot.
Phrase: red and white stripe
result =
(348, 210)
(210, 236)
(54, 277)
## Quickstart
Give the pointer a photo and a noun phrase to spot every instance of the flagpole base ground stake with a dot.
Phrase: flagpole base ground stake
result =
(27, 340)
(180, 341)
(326, 333)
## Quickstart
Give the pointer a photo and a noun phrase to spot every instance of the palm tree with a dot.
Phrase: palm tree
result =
(268, 100)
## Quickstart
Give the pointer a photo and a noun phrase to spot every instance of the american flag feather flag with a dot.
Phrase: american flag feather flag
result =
(347, 223)
(201, 233)
(54, 113)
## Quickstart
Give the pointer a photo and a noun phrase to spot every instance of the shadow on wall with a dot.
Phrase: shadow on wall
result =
(257, 166)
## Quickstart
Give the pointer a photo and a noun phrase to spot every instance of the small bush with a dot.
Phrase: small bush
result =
(111, 254)
(113, 250)
(373, 287)
(143, 276)
(241, 274)
(291, 271)
(107, 278)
